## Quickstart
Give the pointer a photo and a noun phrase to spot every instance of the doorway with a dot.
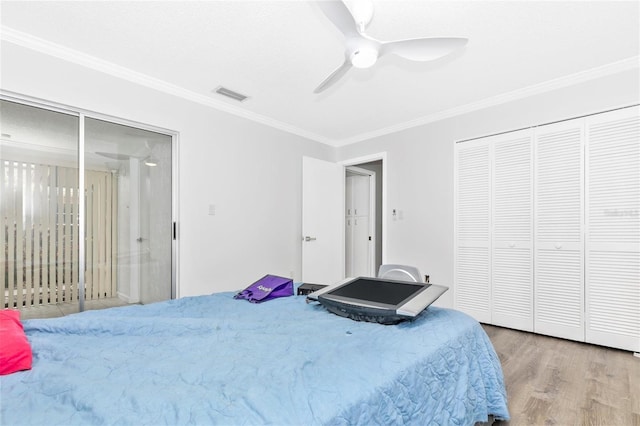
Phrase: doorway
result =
(374, 165)
(360, 197)
(323, 216)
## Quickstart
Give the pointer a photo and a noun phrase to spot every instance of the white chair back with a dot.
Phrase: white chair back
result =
(400, 273)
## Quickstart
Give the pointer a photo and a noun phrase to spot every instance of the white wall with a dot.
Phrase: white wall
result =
(251, 172)
(420, 166)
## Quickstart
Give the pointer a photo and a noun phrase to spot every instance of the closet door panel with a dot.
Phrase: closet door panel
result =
(473, 230)
(361, 258)
(613, 299)
(361, 196)
(558, 225)
(512, 256)
(512, 290)
(348, 204)
(472, 282)
(613, 229)
(559, 293)
(348, 247)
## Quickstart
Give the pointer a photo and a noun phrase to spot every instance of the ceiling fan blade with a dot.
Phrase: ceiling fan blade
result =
(339, 14)
(362, 12)
(423, 49)
(335, 76)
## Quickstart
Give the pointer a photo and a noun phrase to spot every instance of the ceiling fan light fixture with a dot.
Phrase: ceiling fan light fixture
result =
(364, 57)
(150, 162)
(351, 17)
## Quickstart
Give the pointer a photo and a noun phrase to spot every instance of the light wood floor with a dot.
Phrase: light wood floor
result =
(553, 381)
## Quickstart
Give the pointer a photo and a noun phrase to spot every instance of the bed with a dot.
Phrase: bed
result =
(216, 360)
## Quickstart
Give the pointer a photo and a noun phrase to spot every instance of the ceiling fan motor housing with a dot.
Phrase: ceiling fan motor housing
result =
(362, 53)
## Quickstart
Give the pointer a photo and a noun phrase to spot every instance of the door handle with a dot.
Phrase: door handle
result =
(308, 238)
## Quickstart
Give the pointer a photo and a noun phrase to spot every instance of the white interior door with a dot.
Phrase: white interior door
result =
(322, 221)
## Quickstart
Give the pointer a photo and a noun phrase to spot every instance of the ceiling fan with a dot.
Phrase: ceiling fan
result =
(363, 51)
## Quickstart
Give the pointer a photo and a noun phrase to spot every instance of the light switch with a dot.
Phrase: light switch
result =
(212, 209)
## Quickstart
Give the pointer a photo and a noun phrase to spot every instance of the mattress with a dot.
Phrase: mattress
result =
(215, 360)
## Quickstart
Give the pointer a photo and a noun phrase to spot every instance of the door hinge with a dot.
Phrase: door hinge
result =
(174, 230)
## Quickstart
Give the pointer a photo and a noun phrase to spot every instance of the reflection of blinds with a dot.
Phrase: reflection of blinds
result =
(101, 189)
(39, 234)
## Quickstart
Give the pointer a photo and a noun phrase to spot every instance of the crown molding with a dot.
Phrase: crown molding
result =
(547, 86)
(38, 44)
(52, 49)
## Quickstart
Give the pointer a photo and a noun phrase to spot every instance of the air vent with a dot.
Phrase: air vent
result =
(230, 93)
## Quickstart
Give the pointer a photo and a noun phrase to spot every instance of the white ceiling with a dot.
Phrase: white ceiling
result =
(277, 52)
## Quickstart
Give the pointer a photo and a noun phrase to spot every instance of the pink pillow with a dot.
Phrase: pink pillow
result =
(15, 350)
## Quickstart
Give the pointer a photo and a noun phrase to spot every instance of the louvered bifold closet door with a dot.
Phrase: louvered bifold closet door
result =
(473, 229)
(512, 247)
(613, 229)
(558, 227)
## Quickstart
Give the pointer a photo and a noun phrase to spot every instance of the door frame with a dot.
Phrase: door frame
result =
(380, 156)
(372, 216)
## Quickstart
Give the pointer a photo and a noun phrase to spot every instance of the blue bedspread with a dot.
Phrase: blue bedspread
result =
(216, 360)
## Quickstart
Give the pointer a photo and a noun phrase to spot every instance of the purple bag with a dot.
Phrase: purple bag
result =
(267, 288)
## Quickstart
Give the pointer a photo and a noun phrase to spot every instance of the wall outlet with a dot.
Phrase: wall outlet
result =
(212, 209)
